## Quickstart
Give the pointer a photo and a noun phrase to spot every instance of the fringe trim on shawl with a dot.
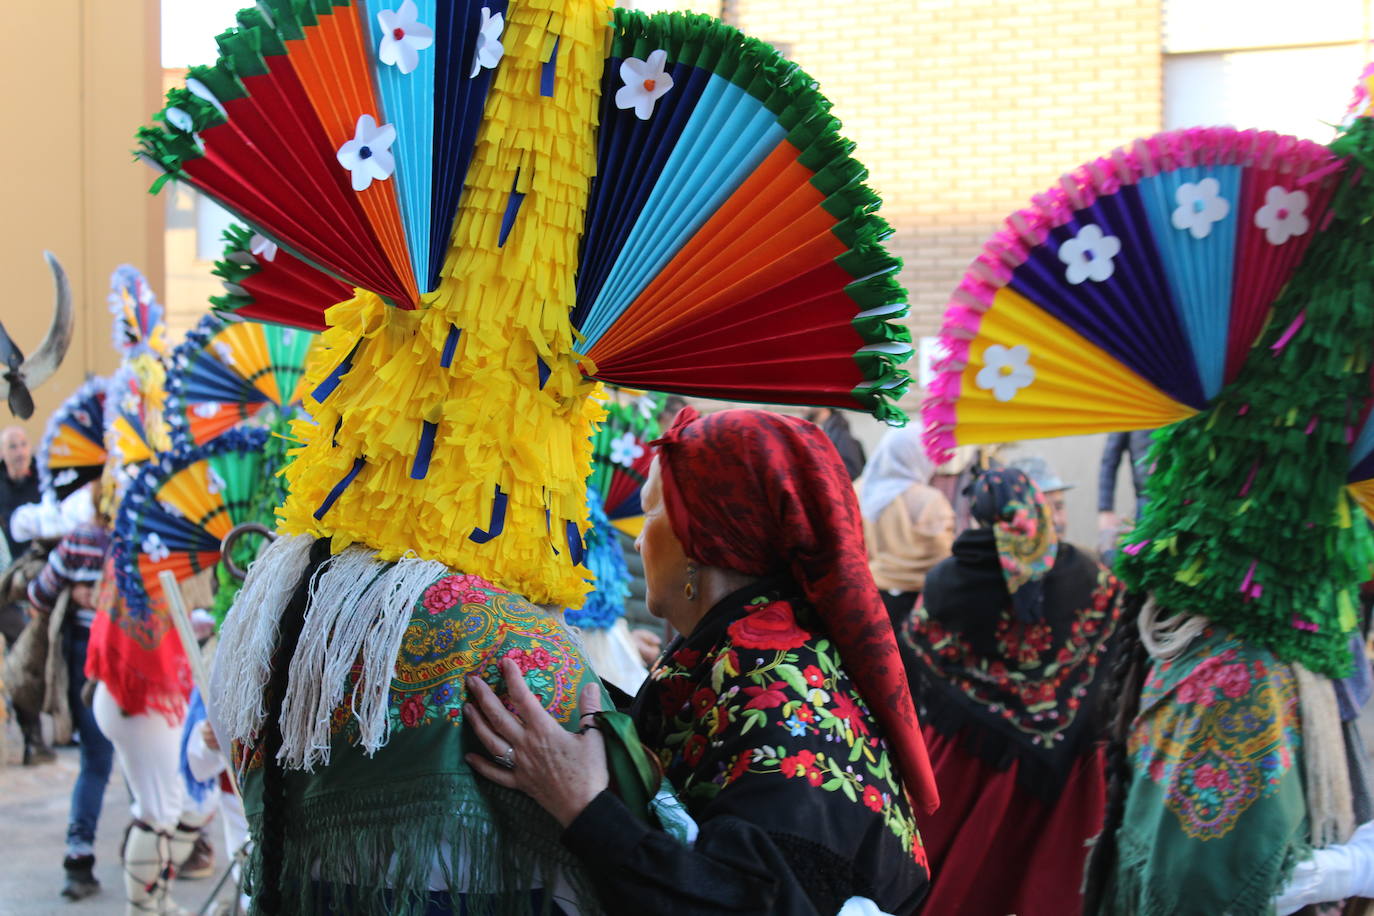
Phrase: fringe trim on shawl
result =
(1133, 895)
(243, 662)
(490, 844)
(359, 609)
(1330, 807)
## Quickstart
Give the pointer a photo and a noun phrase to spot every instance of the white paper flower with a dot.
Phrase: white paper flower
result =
(404, 36)
(489, 47)
(646, 81)
(1283, 215)
(647, 407)
(1089, 255)
(224, 352)
(1199, 206)
(64, 477)
(154, 547)
(206, 409)
(263, 247)
(368, 154)
(624, 450)
(1005, 371)
(214, 482)
(171, 509)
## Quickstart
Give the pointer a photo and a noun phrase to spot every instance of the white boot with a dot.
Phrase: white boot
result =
(147, 867)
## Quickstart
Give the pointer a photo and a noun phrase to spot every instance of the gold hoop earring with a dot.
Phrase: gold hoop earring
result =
(690, 589)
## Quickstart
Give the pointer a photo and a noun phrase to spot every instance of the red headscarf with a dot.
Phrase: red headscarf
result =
(762, 494)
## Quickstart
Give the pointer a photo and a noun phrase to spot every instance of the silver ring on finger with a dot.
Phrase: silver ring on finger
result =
(507, 759)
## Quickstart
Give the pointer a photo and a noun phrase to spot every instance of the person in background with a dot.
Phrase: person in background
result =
(18, 483)
(1011, 649)
(1134, 446)
(1050, 485)
(75, 565)
(908, 524)
(836, 428)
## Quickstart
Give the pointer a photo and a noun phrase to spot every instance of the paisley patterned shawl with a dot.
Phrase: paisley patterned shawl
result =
(374, 828)
(754, 715)
(1215, 817)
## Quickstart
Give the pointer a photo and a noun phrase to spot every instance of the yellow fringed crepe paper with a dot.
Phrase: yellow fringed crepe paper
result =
(496, 427)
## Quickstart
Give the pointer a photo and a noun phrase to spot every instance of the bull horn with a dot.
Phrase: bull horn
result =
(40, 367)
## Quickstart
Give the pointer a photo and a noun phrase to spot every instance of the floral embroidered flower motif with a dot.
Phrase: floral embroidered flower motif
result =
(772, 626)
(873, 799)
(489, 47)
(262, 247)
(625, 450)
(155, 547)
(1088, 255)
(368, 155)
(646, 81)
(453, 590)
(1006, 370)
(1199, 206)
(403, 37)
(1283, 215)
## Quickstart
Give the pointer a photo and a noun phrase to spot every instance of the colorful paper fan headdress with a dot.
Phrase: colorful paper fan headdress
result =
(264, 283)
(225, 373)
(178, 510)
(1211, 281)
(140, 321)
(521, 215)
(621, 455)
(72, 452)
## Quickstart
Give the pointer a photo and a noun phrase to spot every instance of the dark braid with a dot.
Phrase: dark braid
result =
(1128, 675)
(272, 842)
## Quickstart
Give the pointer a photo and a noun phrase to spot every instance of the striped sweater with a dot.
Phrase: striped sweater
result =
(78, 558)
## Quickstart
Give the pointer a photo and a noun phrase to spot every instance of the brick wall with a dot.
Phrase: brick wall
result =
(962, 109)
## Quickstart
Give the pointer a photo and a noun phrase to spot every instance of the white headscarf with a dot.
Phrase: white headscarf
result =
(899, 461)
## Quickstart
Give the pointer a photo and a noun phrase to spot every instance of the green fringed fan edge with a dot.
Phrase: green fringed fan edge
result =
(787, 91)
(1248, 520)
(236, 265)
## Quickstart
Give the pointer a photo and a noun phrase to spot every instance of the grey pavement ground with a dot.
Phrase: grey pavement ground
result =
(33, 824)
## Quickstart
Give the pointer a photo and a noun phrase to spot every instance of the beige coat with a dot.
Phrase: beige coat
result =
(910, 536)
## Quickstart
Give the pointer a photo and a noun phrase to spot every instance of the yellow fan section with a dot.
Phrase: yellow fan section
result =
(1077, 387)
(243, 347)
(496, 426)
(195, 494)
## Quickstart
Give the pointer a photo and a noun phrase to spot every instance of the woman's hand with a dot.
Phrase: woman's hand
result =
(560, 770)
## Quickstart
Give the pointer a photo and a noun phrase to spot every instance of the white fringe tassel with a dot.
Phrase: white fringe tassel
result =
(358, 611)
(249, 635)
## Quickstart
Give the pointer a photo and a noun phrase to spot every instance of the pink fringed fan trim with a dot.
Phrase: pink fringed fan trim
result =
(1076, 190)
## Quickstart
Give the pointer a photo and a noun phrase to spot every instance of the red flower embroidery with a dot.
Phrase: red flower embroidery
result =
(453, 590)
(846, 709)
(676, 690)
(739, 768)
(813, 676)
(797, 764)
(805, 714)
(1234, 680)
(815, 777)
(703, 700)
(773, 626)
(1211, 777)
(686, 657)
(694, 749)
(873, 798)
(770, 697)
(412, 711)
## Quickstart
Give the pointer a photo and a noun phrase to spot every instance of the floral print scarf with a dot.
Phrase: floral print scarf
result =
(753, 715)
(1005, 500)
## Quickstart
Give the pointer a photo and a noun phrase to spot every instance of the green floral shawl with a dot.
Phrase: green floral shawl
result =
(1215, 817)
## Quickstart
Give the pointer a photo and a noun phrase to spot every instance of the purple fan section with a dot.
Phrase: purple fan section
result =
(1131, 314)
